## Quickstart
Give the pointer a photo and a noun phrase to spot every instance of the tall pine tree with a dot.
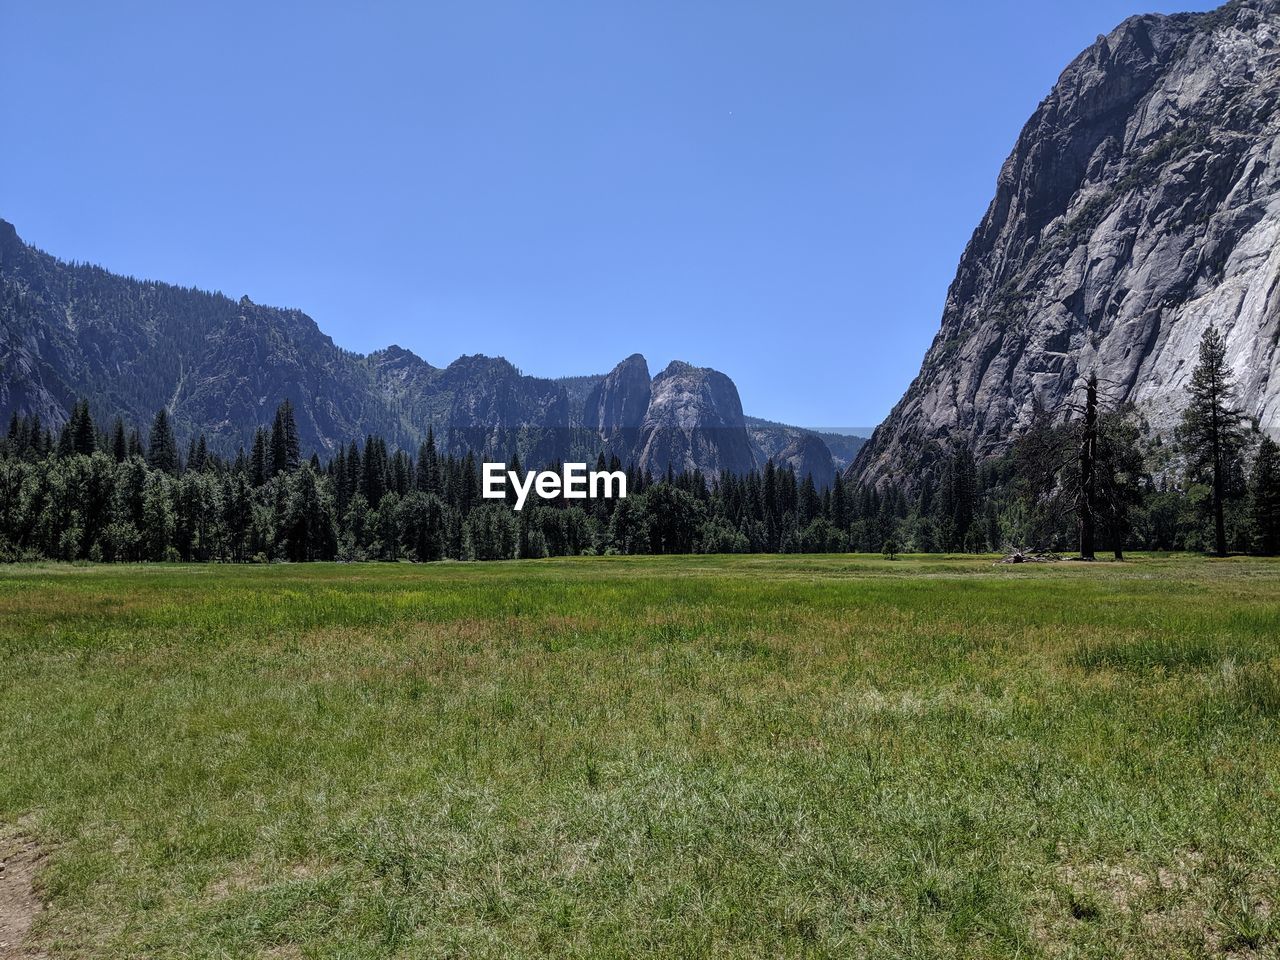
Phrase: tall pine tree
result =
(1264, 497)
(162, 445)
(286, 451)
(1212, 432)
(119, 444)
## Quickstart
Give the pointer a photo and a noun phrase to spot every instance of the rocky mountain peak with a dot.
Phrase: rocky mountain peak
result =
(616, 407)
(694, 422)
(675, 368)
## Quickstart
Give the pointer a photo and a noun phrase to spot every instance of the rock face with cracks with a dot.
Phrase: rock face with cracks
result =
(1140, 204)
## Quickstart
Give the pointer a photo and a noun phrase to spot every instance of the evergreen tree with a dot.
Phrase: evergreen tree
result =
(428, 470)
(809, 503)
(1264, 497)
(309, 525)
(374, 478)
(84, 436)
(258, 465)
(1086, 493)
(1120, 475)
(119, 444)
(1213, 437)
(158, 524)
(286, 451)
(839, 508)
(39, 443)
(424, 525)
(162, 446)
(135, 444)
(956, 501)
(238, 511)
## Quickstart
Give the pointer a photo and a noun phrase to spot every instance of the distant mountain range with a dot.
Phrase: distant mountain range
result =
(1140, 204)
(220, 366)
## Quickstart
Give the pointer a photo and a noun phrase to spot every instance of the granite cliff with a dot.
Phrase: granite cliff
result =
(1140, 204)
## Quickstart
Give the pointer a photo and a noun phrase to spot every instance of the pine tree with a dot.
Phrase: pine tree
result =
(84, 439)
(1212, 434)
(238, 513)
(808, 503)
(957, 499)
(285, 449)
(1264, 496)
(1121, 474)
(400, 473)
(292, 444)
(258, 459)
(119, 445)
(36, 437)
(69, 435)
(162, 446)
(839, 511)
(158, 524)
(354, 472)
(428, 472)
(309, 525)
(373, 483)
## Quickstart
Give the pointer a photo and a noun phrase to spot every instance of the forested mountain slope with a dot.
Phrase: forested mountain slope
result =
(221, 366)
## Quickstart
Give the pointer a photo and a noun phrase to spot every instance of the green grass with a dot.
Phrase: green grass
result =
(757, 756)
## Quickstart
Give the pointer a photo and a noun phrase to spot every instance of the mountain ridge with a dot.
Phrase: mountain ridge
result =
(219, 366)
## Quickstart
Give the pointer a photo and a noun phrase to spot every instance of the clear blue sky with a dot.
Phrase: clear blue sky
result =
(778, 190)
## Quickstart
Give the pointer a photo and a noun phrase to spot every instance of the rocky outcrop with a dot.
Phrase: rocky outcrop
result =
(844, 447)
(616, 408)
(1140, 204)
(477, 403)
(802, 450)
(620, 401)
(495, 411)
(694, 422)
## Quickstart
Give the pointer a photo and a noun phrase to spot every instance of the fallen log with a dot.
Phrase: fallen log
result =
(1023, 556)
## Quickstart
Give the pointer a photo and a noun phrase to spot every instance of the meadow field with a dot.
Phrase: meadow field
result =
(627, 757)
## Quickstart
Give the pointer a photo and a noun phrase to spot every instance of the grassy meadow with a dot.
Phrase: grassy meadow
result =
(680, 756)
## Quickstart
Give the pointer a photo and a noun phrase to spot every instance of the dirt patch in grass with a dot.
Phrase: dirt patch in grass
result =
(19, 901)
(1151, 909)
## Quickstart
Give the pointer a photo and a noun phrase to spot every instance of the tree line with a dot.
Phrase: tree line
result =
(1084, 477)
